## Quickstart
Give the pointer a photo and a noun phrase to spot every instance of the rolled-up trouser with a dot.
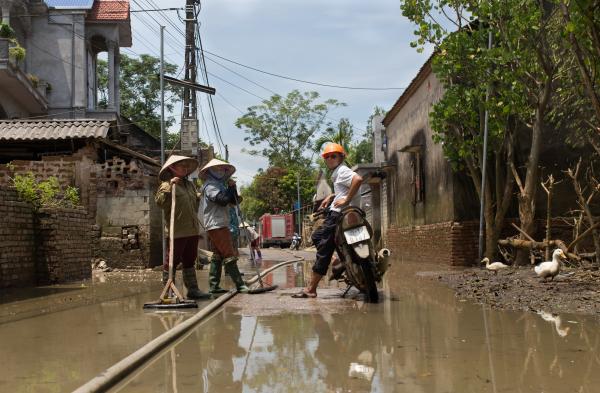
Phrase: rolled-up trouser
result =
(222, 242)
(324, 240)
(185, 251)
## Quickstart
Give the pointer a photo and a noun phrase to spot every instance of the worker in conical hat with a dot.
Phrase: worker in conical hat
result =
(218, 193)
(186, 233)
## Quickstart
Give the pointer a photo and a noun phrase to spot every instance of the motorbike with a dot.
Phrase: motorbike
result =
(360, 265)
(296, 241)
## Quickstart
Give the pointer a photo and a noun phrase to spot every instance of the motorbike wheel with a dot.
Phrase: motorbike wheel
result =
(371, 294)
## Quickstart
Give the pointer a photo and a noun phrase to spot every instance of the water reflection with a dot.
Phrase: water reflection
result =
(556, 321)
(420, 339)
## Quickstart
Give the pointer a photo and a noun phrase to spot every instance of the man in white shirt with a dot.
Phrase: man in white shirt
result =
(346, 184)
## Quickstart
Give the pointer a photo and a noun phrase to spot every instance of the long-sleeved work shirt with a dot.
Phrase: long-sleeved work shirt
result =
(186, 207)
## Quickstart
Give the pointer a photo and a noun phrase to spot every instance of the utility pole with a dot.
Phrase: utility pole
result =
(189, 123)
(162, 124)
(484, 164)
(299, 205)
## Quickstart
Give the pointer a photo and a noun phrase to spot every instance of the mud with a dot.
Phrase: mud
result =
(572, 291)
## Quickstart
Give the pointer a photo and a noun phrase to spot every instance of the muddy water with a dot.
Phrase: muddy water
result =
(419, 339)
(84, 329)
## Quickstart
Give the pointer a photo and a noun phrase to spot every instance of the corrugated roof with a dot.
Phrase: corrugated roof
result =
(110, 10)
(70, 4)
(36, 130)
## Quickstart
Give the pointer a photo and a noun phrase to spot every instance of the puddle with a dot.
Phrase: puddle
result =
(291, 276)
(419, 339)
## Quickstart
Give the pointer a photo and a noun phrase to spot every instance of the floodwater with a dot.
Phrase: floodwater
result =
(420, 338)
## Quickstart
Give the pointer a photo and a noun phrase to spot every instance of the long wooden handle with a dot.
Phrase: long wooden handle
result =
(172, 231)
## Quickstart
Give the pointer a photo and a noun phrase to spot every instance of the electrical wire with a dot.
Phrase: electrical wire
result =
(302, 80)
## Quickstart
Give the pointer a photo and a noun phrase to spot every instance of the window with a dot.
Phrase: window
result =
(417, 182)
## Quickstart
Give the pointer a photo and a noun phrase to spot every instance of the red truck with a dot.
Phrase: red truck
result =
(276, 230)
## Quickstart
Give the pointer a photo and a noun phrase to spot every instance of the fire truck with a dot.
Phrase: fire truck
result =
(276, 230)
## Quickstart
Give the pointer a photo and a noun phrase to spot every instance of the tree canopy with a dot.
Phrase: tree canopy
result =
(282, 129)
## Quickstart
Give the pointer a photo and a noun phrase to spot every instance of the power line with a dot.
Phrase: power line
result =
(302, 80)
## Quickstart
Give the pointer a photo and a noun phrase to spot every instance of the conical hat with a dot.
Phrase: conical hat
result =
(215, 163)
(191, 164)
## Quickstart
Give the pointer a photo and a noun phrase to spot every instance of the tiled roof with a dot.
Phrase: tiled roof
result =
(37, 130)
(70, 4)
(110, 10)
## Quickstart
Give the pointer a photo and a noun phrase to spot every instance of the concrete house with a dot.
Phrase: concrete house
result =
(51, 123)
(430, 212)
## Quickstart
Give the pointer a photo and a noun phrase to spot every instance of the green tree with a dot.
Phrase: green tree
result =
(519, 70)
(140, 91)
(275, 190)
(581, 27)
(283, 128)
(364, 148)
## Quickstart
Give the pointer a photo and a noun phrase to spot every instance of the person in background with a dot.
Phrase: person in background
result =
(186, 233)
(218, 192)
(346, 184)
(254, 242)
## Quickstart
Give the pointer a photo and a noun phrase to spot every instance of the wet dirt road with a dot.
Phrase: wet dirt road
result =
(420, 338)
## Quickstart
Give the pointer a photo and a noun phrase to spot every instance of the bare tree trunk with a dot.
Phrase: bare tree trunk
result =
(548, 186)
(585, 206)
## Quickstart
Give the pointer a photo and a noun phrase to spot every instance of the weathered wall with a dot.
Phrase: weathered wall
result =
(456, 243)
(57, 54)
(64, 250)
(125, 197)
(61, 167)
(410, 127)
(72, 170)
(17, 258)
(51, 246)
(448, 243)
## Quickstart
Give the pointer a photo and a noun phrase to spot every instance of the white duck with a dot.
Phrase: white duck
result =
(550, 268)
(495, 266)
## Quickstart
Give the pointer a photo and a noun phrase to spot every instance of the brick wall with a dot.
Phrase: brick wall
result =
(448, 243)
(125, 197)
(69, 170)
(456, 243)
(65, 245)
(17, 259)
(62, 167)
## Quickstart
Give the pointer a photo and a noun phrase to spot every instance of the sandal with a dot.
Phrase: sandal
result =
(304, 295)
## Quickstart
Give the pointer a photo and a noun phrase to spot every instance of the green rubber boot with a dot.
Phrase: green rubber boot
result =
(191, 283)
(232, 269)
(214, 276)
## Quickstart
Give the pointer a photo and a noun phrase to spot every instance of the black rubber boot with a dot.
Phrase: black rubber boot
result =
(214, 276)
(191, 283)
(232, 269)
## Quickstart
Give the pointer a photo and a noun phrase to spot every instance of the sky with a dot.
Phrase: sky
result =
(342, 42)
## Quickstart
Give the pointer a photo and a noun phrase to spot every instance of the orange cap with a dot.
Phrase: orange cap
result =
(333, 148)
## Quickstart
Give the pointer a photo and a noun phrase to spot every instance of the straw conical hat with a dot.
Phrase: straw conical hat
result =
(215, 163)
(191, 164)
